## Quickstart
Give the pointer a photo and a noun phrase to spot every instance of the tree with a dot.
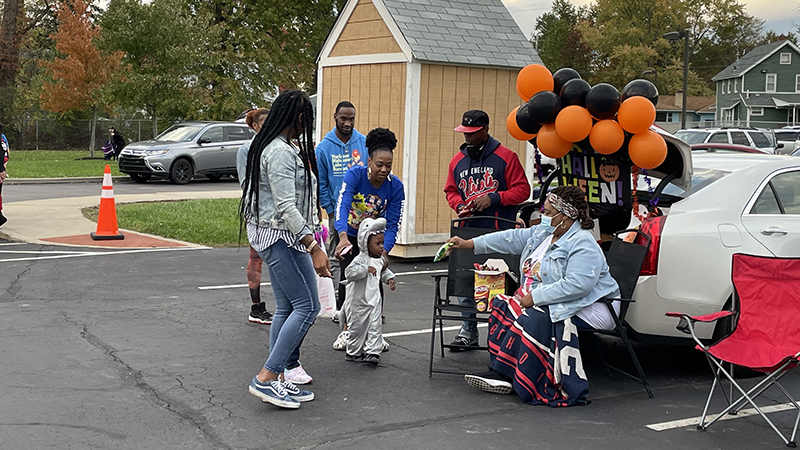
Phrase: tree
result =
(77, 80)
(560, 42)
(162, 46)
(18, 21)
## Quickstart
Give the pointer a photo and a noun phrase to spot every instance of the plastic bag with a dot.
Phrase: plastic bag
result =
(327, 297)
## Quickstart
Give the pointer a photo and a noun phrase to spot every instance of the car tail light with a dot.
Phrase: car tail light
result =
(651, 227)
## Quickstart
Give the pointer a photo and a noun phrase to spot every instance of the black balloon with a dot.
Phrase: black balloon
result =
(543, 107)
(574, 92)
(641, 88)
(524, 121)
(603, 101)
(562, 76)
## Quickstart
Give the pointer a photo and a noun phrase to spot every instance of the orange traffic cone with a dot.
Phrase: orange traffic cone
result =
(107, 228)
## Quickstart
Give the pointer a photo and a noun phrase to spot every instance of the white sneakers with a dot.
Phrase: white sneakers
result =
(341, 341)
(297, 375)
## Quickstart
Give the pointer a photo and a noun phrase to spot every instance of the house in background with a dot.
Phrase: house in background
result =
(761, 89)
(415, 67)
(699, 112)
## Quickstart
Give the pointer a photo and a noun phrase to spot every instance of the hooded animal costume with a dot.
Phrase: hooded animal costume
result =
(362, 305)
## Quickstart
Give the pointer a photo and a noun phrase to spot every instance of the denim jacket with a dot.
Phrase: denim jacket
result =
(283, 199)
(574, 270)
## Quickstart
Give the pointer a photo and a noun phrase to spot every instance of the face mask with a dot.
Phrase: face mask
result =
(547, 222)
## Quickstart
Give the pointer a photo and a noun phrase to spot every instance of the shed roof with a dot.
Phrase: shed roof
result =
(478, 32)
(693, 103)
(751, 59)
(772, 100)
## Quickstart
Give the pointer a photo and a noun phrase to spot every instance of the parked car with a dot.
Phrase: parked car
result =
(737, 203)
(184, 150)
(740, 136)
(790, 138)
(725, 148)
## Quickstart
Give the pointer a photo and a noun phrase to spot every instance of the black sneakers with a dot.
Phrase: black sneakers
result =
(372, 359)
(259, 314)
(460, 343)
(2, 219)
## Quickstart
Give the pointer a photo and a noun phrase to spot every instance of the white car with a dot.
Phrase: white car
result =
(740, 136)
(737, 203)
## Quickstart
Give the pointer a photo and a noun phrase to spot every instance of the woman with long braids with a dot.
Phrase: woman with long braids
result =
(281, 207)
(533, 339)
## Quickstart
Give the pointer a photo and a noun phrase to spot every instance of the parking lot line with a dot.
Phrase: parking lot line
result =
(267, 283)
(696, 420)
(104, 253)
(428, 330)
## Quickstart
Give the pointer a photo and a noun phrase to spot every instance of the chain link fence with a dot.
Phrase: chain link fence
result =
(53, 134)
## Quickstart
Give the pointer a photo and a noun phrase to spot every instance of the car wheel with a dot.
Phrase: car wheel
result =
(181, 171)
(214, 177)
(139, 177)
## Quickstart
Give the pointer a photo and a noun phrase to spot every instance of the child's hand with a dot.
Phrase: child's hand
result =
(372, 270)
(392, 284)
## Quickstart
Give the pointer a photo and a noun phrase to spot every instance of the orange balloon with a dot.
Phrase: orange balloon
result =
(636, 114)
(647, 150)
(606, 137)
(513, 128)
(533, 78)
(550, 143)
(574, 123)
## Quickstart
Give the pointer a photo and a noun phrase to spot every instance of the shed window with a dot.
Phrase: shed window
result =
(757, 111)
(729, 86)
(797, 83)
(772, 82)
(786, 58)
(736, 85)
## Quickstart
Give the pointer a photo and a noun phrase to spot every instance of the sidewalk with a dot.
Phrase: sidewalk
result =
(60, 221)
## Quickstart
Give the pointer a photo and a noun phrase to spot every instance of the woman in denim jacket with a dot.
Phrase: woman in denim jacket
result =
(564, 273)
(281, 208)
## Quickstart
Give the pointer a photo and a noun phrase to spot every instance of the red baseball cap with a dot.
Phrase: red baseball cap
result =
(472, 121)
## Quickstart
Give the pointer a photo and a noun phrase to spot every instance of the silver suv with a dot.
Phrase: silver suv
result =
(186, 149)
(741, 136)
(790, 138)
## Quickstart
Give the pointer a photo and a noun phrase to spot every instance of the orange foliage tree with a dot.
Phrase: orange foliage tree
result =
(77, 80)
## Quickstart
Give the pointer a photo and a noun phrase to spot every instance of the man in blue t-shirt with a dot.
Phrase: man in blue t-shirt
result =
(340, 149)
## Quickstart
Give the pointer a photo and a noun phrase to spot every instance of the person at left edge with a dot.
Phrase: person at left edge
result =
(4, 149)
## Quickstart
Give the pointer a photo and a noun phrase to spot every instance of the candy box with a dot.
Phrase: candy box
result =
(490, 280)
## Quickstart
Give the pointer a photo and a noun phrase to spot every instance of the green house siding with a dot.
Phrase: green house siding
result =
(756, 81)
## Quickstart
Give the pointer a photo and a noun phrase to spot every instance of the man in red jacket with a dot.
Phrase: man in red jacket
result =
(484, 179)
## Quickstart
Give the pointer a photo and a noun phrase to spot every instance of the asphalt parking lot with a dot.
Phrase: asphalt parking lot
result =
(151, 350)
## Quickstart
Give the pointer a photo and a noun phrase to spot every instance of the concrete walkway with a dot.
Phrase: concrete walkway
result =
(60, 221)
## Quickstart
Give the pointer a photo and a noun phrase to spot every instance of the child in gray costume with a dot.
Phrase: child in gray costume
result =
(362, 305)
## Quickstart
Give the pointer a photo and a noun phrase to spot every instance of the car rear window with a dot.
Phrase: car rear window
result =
(692, 137)
(759, 139)
(719, 138)
(671, 193)
(785, 135)
(181, 133)
(738, 137)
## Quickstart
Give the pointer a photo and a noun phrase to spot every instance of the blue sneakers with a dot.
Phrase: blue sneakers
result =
(275, 393)
(296, 393)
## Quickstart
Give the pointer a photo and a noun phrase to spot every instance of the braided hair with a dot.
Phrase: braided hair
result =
(575, 197)
(291, 110)
(380, 139)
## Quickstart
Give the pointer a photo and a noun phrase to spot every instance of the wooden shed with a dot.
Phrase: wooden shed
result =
(415, 66)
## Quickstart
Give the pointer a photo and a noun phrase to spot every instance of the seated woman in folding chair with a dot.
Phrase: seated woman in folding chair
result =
(533, 338)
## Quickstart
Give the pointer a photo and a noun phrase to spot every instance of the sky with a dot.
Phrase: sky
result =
(780, 16)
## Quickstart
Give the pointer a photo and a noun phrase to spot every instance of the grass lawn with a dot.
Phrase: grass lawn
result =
(211, 222)
(57, 164)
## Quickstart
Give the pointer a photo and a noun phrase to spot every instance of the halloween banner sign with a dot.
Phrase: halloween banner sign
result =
(604, 178)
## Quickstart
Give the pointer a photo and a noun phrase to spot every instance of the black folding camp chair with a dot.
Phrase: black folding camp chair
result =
(625, 261)
(460, 283)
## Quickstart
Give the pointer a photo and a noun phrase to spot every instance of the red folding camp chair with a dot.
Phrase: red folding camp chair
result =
(766, 335)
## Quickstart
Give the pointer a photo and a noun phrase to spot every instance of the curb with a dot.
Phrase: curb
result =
(12, 181)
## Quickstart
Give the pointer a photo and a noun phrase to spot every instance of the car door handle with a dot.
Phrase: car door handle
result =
(773, 230)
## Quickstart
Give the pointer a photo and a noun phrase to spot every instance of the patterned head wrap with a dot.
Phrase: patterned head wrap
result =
(562, 206)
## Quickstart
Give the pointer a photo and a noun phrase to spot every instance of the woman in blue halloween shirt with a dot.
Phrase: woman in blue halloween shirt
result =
(370, 191)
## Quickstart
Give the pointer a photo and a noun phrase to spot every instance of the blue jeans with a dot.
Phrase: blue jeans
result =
(469, 329)
(294, 284)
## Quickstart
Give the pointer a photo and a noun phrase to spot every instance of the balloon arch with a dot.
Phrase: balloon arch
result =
(597, 134)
